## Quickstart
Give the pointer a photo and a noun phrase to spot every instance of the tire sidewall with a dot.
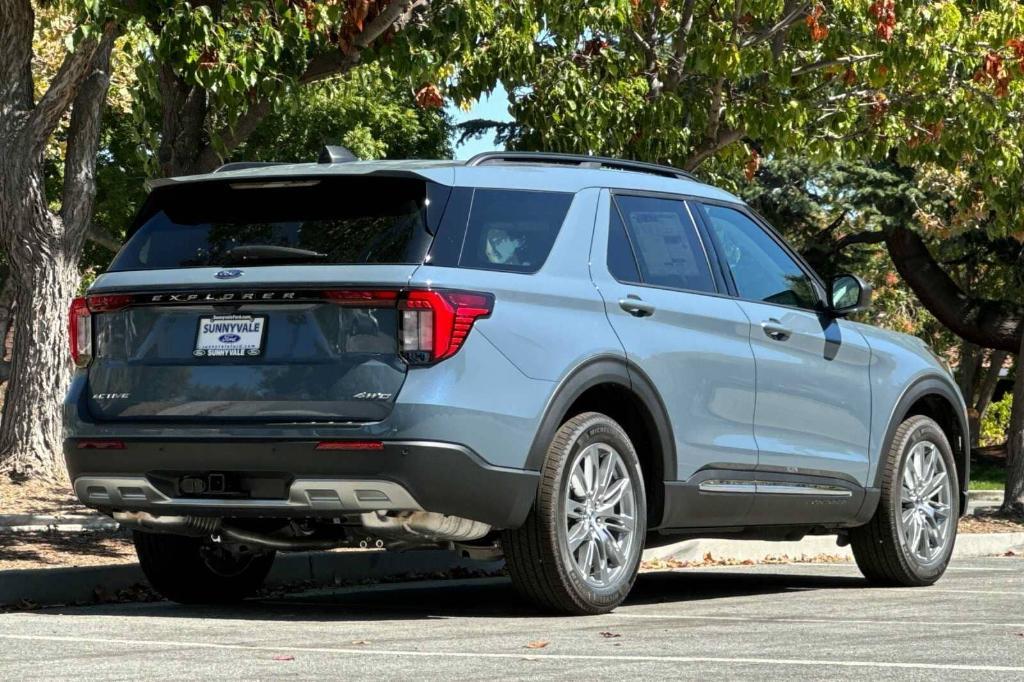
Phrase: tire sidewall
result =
(600, 429)
(929, 431)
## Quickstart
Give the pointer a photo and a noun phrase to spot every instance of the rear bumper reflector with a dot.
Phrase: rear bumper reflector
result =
(350, 445)
(93, 444)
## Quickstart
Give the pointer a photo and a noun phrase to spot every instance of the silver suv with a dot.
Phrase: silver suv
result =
(556, 359)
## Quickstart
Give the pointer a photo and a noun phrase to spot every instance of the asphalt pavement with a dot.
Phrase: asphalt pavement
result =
(778, 622)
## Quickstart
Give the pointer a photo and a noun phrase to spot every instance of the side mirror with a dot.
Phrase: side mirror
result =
(848, 294)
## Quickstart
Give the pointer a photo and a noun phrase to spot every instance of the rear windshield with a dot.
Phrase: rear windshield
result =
(301, 221)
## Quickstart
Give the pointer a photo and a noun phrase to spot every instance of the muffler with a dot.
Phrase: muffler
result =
(422, 526)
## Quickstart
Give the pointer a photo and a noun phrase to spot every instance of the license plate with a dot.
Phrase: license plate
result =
(230, 336)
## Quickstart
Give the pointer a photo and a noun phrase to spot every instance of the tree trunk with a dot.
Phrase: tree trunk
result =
(42, 246)
(990, 323)
(1013, 496)
(6, 316)
(31, 432)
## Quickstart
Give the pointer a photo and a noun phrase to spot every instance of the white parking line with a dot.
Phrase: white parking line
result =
(518, 656)
(785, 619)
(952, 591)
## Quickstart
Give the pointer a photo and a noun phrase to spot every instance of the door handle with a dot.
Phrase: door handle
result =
(775, 330)
(636, 307)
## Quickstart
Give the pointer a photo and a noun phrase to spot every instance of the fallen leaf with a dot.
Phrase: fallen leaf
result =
(284, 657)
(609, 635)
(1010, 552)
(539, 644)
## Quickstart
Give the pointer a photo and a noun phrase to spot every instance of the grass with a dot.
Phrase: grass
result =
(987, 476)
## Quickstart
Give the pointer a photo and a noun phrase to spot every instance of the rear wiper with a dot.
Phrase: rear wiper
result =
(268, 252)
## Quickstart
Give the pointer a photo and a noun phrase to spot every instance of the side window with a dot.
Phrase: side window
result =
(512, 229)
(621, 261)
(762, 269)
(665, 242)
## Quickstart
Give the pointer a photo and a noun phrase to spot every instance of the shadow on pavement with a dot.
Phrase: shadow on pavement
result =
(482, 598)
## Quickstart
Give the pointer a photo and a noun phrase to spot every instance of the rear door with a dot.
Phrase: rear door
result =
(663, 300)
(267, 301)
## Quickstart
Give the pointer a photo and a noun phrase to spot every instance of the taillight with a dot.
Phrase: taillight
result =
(434, 324)
(80, 331)
(80, 322)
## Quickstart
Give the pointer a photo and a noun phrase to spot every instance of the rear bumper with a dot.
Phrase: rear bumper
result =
(437, 477)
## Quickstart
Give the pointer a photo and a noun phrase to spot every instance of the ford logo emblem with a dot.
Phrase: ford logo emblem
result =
(229, 274)
(229, 338)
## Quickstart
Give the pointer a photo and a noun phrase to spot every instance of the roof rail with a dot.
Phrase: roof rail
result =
(242, 165)
(581, 160)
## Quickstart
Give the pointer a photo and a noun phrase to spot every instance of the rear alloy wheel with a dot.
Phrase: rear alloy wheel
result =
(579, 550)
(910, 539)
(198, 571)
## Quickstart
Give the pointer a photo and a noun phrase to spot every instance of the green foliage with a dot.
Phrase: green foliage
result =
(370, 111)
(996, 421)
(941, 85)
(987, 476)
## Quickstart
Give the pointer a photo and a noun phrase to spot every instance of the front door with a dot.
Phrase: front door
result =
(813, 409)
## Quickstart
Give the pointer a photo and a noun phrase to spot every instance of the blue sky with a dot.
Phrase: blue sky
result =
(495, 107)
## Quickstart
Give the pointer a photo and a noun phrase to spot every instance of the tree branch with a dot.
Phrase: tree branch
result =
(232, 136)
(782, 24)
(995, 324)
(825, 63)
(100, 236)
(711, 147)
(680, 47)
(866, 237)
(332, 63)
(76, 67)
(83, 140)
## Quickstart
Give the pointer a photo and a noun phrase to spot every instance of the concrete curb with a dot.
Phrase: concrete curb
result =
(90, 583)
(69, 523)
(994, 496)
(968, 545)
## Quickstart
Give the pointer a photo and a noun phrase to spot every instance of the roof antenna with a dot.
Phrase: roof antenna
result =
(335, 154)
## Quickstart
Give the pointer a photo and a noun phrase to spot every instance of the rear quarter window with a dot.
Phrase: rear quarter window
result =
(497, 229)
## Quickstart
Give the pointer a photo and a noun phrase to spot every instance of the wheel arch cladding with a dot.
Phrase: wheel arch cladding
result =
(935, 398)
(612, 386)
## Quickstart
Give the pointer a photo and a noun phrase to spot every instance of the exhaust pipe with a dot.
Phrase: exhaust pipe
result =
(199, 526)
(193, 526)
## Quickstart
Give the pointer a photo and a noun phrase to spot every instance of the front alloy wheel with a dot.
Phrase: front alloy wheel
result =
(910, 538)
(926, 492)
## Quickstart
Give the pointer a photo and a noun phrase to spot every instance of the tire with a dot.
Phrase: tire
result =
(195, 571)
(885, 547)
(543, 565)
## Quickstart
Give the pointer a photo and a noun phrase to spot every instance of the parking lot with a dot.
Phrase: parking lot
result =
(794, 621)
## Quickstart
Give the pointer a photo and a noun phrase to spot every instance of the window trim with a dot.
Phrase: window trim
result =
(816, 282)
(716, 280)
